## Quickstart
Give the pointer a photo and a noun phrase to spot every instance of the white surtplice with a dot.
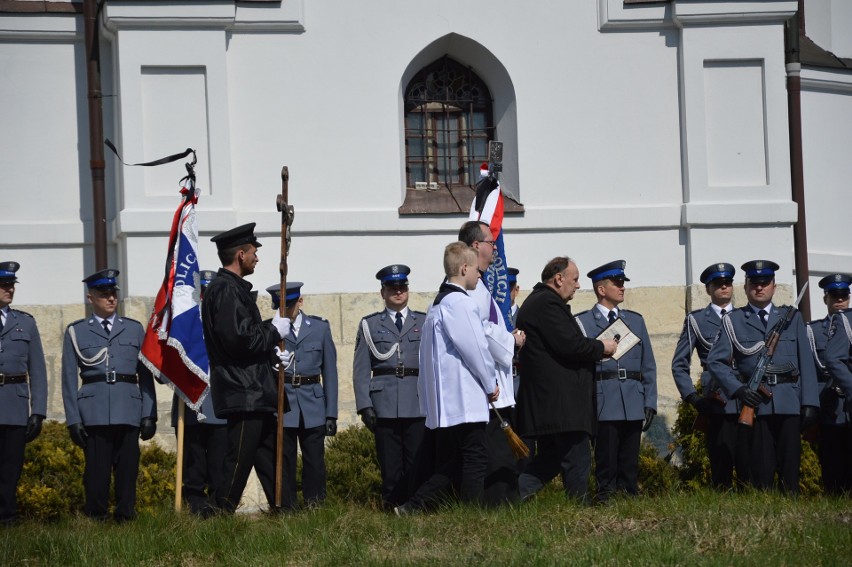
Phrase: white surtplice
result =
(456, 368)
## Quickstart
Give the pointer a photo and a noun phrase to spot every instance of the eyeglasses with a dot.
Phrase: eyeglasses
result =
(491, 243)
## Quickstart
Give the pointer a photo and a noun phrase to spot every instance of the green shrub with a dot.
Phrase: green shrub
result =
(695, 465)
(51, 484)
(353, 468)
(656, 475)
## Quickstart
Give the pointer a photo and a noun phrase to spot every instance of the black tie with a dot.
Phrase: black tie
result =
(762, 314)
(612, 317)
(105, 324)
(399, 321)
(723, 312)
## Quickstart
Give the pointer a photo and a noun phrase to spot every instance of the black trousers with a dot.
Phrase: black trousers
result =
(204, 450)
(12, 443)
(398, 442)
(617, 457)
(835, 457)
(726, 450)
(464, 457)
(251, 443)
(312, 443)
(111, 449)
(774, 446)
(501, 479)
(568, 453)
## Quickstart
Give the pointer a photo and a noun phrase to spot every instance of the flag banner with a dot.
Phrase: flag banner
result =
(173, 348)
(487, 207)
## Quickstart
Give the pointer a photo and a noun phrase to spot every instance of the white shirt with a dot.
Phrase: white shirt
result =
(501, 343)
(296, 325)
(456, 369)
(605, 312)
(392, 314)
(718, 309)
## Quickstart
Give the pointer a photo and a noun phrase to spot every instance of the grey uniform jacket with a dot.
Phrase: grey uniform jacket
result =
(792, 351)
(623, 400)
(313, 354)
(21, 353)
(709, 327)
(100, 403)
(838, 351)
(832, 406)
(389, 395)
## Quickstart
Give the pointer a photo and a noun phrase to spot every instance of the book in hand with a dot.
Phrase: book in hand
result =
(626, 338)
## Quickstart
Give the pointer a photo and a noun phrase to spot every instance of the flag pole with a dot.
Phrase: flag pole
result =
(179, 468)
(286, 211)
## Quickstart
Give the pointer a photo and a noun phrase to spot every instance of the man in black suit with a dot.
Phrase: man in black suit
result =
(556, 399)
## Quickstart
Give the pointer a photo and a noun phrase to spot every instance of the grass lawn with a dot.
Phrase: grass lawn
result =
(702, 528)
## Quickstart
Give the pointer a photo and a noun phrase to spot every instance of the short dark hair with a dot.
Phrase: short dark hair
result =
(471, 232)
(227, 255)
(555, 266)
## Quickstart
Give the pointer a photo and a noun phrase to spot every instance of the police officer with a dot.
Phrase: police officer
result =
(311, 385)
(384, 375)
(773, 443)
(23, 402)
(108, 396)
(835, 434)
(700, 330)
(626, 388)
(204, 443)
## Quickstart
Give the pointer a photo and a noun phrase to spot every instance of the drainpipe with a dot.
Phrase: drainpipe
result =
(794, 110)
(91, 11)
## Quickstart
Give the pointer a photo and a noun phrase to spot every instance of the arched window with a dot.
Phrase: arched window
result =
(448, 125)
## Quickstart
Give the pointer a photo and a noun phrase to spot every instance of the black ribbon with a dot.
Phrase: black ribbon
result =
(168, 159)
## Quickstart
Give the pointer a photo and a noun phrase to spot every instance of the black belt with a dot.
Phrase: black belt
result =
(772, 379)
(12, 379)
(299, 380)
(399, 371)
(110, 378)
(621, 374)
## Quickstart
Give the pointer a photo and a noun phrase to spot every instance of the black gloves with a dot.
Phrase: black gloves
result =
(749, 397)
(330, 427)
(700, 403)
(810, 416)
(368, 416)
(78, 434)
(147, 428)
(33, 427)
(649, 417)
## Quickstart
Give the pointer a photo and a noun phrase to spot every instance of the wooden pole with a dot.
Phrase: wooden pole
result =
(179, 469)
(286, 220)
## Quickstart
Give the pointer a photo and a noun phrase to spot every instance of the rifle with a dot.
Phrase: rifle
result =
(702, 420)
(287, 214)
(755, 383)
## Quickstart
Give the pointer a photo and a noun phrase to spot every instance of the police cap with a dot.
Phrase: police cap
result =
(7, 272)
(104, 280)
(293, 293)
(720, 271)
(760, 269)
(612, 270)
(395, 274)
(835, 282)
(512, 276)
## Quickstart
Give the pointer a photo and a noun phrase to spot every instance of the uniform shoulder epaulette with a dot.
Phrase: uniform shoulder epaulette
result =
(419, 312)
(72, 323)
(695, 312)
(371, 315)
(318, 318)
(632, 312)
(23, 313)
(582, 313)
(131, 320)
(814, 322)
